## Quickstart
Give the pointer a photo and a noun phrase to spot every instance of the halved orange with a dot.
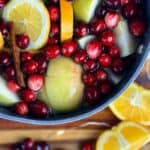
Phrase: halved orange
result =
(66, 25)
(133, 105)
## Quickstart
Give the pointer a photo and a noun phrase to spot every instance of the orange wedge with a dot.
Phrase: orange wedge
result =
(133, 105)
(66, 25)
(126, 136)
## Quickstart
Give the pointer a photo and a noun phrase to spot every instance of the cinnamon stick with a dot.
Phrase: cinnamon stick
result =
(16, 56)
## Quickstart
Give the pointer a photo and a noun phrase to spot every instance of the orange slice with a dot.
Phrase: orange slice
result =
(126, 136)
(66, 26)
(133, 105)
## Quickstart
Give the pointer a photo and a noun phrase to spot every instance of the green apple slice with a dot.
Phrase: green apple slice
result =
(84, 40)
(124, 39)
(84, 10)
(7, 98)
(64, 85)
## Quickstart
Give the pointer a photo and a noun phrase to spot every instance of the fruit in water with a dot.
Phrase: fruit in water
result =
(63, 84)
(1, 41)
(7, 98)
(66, 14)
(124, 39)
(85, 11)
(84, 40)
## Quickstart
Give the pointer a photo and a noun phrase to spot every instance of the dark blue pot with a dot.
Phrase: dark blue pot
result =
(133, 72)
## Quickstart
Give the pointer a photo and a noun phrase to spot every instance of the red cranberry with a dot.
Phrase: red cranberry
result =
(98, 26)
(35, 82)
(52, 51)
(137, 27)
(28, 96)
(42, 62)
(30, 67)
(39, 109)
(53, 40)
(2, 3)
(94, 49)
(22, 108)
(54, 29)
(41, 146)
(112, 19)
(10, 73)
(5, 59)
(87, 147)
(81, 30)
(25, 56)
(92, 95)
(101, 11)
(101, 75)
(108, 38)
(54, 13)
(105, 60)
(129, 10)
(124, 2)
(88, 78)
(113, 4)
(105, 88)
(69, 48)
(27, 144)
(80, 57)
(117, 65)
(22, 41)
(4, 29)
(90, 65)
(54, 1)
(114, 51)
(13, 86)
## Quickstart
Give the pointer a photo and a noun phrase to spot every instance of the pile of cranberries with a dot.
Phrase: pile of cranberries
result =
(99, 53)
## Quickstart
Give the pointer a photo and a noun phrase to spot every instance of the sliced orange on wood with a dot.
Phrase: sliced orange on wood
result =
(126, 136)
(67, 20)
(133, 105)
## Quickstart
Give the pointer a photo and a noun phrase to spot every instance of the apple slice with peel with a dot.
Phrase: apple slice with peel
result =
(84, 40)
(84, 10)
(7, 97)
(64, 85)
(124, 39)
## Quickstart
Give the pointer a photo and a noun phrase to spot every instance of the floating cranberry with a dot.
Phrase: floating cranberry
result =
(112, 19)
(101, 75)
(137, 27)
(90, 65)
(41, 146)
(94, 49)
(108, 38)
(129, 10)
(54, 29)
(35, 82)
(114, 51)
(30, 67)
(105, 60)
(25, 56)
(5, 59)
(69, 48)
(118, 65)
(97, 26)
(22, 41)
(28, 96)
(2, 3)
(87, 147)
(92, 95)
(88, 78)
(53, 40)
(113, 4)
(27, 144)
(42, 62)
(124, 2)
(39, 109)
(13, 86)
(52, 51)
(10, 73)
(106, 88)
(81, 30)
(80, 57)
(4, 29)
(54, 13)
(22, 108)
